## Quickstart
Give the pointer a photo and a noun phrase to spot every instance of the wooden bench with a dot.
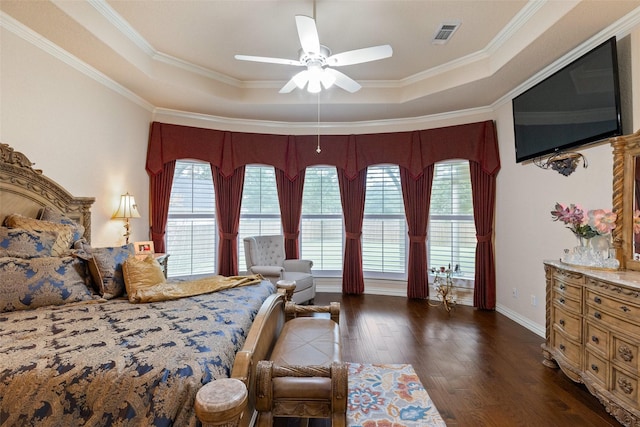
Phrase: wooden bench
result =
(270, 379)
(305, 376)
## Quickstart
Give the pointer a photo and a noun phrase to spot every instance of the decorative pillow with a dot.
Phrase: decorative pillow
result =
(20, 243)
(64, 241)
(49, 214)
(105, 266)
(141, 273)
(36, 282)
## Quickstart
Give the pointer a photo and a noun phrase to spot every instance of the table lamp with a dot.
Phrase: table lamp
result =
(127, 209)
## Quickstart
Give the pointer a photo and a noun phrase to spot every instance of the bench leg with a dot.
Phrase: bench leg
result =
(265, 419)
(339, 420)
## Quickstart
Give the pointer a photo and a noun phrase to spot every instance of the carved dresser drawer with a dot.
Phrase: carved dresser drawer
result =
(625, 354)
(626, 310)
(569, 285)
(593, 333)
(597, 339)
(625, 386)
(605, 319)
(567, 348)
(568, 323)
(569, 304)
(597, 367)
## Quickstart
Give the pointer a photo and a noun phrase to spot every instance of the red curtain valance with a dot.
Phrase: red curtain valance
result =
(414, 150)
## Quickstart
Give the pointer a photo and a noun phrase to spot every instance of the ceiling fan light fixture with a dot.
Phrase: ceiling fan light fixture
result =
(315, 72)
(314, 85)
(327, 79)
(301, 79)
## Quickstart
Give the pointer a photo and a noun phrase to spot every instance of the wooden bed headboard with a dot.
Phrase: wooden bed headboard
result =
(25, 190)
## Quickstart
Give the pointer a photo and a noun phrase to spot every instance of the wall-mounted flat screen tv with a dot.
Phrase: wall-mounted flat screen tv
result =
(576, 105)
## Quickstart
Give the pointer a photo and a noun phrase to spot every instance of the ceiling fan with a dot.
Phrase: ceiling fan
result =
(318, 61)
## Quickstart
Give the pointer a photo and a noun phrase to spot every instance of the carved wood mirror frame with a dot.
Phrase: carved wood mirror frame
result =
(626, 152)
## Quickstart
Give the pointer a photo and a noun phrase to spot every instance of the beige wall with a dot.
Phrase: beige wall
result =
(92, 139)
(525, 233)
(85, 136)
(635, 66)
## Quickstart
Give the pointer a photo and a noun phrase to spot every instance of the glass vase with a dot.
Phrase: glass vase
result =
(582, 248)
(601, 245)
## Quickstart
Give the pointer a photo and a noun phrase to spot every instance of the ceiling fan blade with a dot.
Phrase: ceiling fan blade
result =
(358, 56)
(344, 81)
(268, 60)
(308, 34)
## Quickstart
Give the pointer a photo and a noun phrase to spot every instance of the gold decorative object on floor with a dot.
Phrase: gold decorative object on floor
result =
(445, 291)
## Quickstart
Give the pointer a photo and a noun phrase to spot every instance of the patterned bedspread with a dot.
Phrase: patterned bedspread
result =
(117, 363)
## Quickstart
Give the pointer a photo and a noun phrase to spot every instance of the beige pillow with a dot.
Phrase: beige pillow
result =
(141, 273)
(62, 245)
(49, 214)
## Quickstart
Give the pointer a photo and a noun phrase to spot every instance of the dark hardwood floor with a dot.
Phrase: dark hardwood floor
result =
(479, 367)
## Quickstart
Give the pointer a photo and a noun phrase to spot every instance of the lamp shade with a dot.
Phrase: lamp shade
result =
(127, 208)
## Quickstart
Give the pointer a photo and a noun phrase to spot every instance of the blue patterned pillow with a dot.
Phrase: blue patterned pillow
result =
(105, 266)
(37, 282)
(21, 243)
(49, 214)
(63, 244)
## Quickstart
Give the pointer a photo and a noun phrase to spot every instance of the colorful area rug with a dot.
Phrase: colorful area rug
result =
(389, 396)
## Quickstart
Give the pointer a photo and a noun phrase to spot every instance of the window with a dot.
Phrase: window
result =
(260, 209)
(321, 225)
(192, 237)
(191, 226)
(384, 229)
(452, 232)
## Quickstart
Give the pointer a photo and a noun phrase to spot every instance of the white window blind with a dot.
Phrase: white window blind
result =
(384, 229)
(260, 209)
(452, 233)
(321, 225)
(191, 226)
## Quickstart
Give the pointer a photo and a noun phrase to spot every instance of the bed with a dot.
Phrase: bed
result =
(89, 356)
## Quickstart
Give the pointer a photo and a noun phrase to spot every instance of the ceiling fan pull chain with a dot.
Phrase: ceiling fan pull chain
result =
(318, 149)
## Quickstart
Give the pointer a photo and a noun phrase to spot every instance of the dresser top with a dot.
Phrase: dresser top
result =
(627, 278)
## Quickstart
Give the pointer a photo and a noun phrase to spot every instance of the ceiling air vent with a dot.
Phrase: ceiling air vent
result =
(444, 32)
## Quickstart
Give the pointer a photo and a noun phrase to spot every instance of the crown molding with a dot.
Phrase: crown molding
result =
(228, 123)
(619, 29)
(522, 17)
(35, 39)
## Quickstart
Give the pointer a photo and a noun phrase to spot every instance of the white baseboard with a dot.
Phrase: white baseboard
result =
(523, 321)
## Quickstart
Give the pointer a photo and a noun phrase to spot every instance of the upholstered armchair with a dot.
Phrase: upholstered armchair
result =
(265, 255)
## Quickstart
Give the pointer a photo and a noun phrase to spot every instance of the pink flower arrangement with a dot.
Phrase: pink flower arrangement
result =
(595, 223)
(602, 220)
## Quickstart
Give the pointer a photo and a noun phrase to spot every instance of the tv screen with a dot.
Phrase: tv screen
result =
(576, 105)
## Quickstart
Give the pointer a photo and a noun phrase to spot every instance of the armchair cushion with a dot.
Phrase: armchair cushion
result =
(303, 280)
(267, 271)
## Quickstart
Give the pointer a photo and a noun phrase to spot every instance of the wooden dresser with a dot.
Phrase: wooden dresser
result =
(593, 333)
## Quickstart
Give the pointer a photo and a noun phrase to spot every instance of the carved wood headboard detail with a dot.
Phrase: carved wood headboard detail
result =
(26, 190)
